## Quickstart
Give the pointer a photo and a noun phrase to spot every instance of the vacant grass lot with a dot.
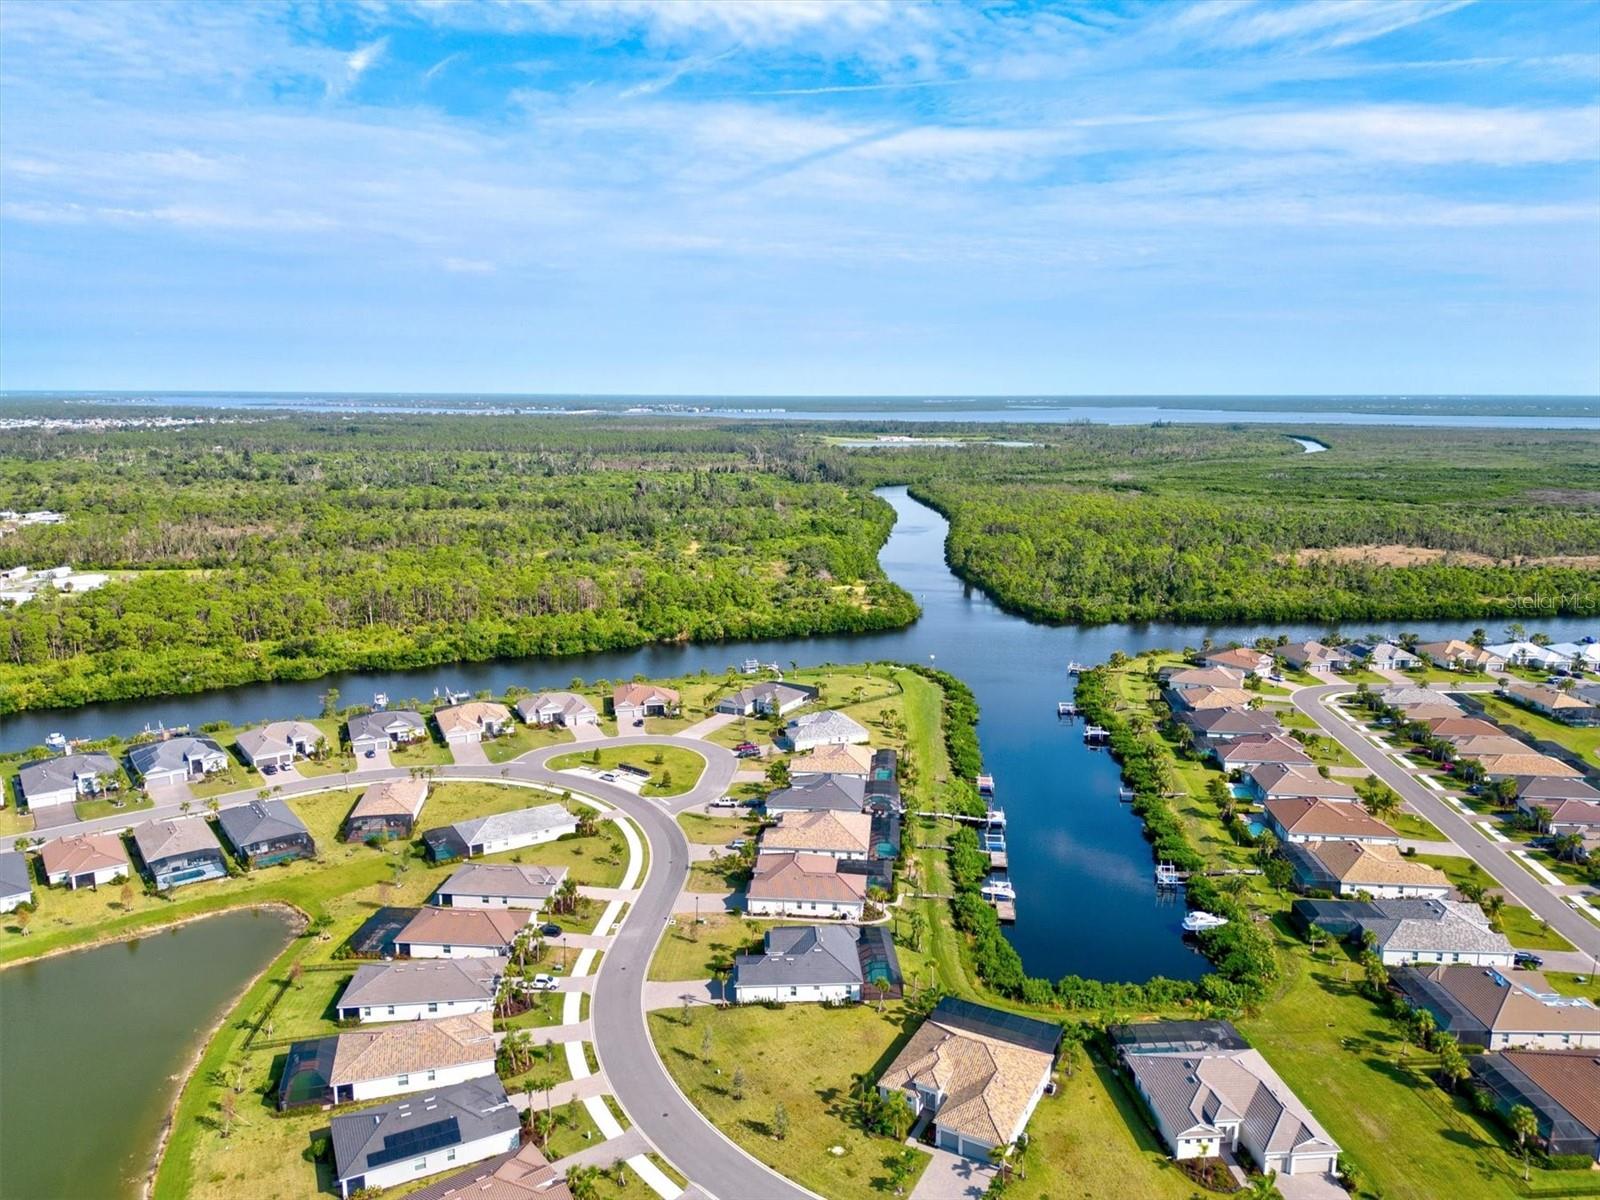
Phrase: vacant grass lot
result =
(522, 739)
(1583, 742)
(804, 1058)
(1527, 932)
(688, 951)
(674, 770)
(717, 831)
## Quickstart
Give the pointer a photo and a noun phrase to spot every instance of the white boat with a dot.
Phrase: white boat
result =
(995, 818)
(56, 741)
(1198, 920)
(995, 888)
(380, 701)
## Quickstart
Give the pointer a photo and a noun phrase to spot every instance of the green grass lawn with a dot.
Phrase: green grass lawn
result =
(717, 831)
(1526, 931)
(522, 739)
(731, 875)
(1583, 742)
(546, 1011)
(549, 1068)
(804, 1058)
(1410, 825)
(1459, 868)
(674, 770)
(305, 1009)
(688, 951)
(575, 1130)
(128, 804)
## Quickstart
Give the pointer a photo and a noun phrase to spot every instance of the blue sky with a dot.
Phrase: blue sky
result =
(831, 196)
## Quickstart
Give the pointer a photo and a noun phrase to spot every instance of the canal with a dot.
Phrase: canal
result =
(94, 1046)
(1086, 903)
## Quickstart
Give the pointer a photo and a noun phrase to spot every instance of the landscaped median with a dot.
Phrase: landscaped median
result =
(666, 770)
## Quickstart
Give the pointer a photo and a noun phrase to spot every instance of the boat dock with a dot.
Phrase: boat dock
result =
(1006, 910)
(985, 785)
(1094, 733)
(1125, 794)
(1066, 708)
(1076, 668)
(994, 845)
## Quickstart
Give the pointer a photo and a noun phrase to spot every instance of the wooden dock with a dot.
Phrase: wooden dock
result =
(997, 860)
(1006, 910)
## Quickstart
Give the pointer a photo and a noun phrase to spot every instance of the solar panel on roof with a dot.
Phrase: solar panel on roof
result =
(409, 1143)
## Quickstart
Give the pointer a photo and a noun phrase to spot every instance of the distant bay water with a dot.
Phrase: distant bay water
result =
(1468, 412)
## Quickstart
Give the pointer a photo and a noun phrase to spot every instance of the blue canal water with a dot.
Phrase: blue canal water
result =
(1085, 899)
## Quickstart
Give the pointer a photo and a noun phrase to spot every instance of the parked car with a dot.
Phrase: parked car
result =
(725, 802)
(747, 750)
(543, 983)
(1527, 960)
(639, 724)
(738, 844)
(550, 929)
(270, 769)
(372, 754)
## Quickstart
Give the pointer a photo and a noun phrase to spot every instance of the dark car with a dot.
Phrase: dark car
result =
(372, 754)
(746, 750)
(550, 930)
(269, 769)
(1524, 959)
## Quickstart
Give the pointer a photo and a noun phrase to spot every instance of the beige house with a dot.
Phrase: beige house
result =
(1500, 766)
(833, 760)
(633, 702)
(977, 1072)
(837, 834)
(386, 810)
(1483, 1006)
(1281, 781)
(1310, 820)
(84, 860)
(411, 1056)
(1456, 655)
(461, 724)
(1379, 870)
(804, 885)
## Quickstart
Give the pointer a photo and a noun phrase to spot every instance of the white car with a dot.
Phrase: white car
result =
(543, 983)
(725, 802)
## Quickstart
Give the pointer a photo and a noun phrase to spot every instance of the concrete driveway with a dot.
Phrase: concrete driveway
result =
(951, 1177)
(469, 754)
(710, 725)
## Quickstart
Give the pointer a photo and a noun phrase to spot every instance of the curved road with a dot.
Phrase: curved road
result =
(1488, 854)
(622, 1041)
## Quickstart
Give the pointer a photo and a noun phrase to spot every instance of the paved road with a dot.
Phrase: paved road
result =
(1513, 879)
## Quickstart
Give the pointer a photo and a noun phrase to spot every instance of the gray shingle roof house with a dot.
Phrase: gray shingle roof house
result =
(479, 885)
(1215, 726)
(16, 880)
(176, 760)
(767, 698)
(385, 730)
(556, 708)
(1384, 655)
(1408, 696)
(180, 851)
(265, 832)
(63, 779)
(1207, 1097)
(422, 1135)
(826, 728)
(808, 963)
(408, 991)
(818, 793)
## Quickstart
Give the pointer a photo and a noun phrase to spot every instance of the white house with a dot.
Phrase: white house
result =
(826, 728)
(407, 1140)
(810, 964)
(411, 1056)
(421, 990)
(463, 724)
(557, 708)
(84, 860)
(176, 760)
(977, 1072)
(52, 782)
(479, 885)
(461, 933)
(515, 830)
(279, 743)
(809, 885)
(385, 730)
(16, 881)
(1527, 654)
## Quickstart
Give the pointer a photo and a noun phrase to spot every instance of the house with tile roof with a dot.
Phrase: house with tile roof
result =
(1527, 654)
(461, 933)
(1314, 820)
(1487, 745)
(633, 702)
(1205, 698)
(387, 810)
(1495, 1009)
(804, 885)
(1411, 695)
(1560, 817)
(1502, 766)
(836, 834)
(1383, 656)
(1456, 655)
(1240, 658)
(1449, 729)
(392, 1060)
(421, 989)
(833, 760)
(52, 782)
(825, 728)
(1570, 708)
(976, 1073)
(1279, 781)
(1412, 931)
(1314, 658)
(524, 1175)
(1562, 1087)
(1211, 1097)
(1350, 868)
(427, 1134)
(464, 724)
(84, 860)
(566, 709)
(508, 885)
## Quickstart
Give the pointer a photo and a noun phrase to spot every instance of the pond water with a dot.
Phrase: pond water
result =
(90, 1043)
(1085, 899)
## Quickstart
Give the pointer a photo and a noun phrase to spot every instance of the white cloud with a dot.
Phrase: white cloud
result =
(467, 266)
(1315, 24)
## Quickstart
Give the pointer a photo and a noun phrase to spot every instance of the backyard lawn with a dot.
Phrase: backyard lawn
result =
(803, 1057)
(674, 770)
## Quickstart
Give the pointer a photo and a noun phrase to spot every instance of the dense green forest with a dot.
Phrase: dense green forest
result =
(279, 547)
(1188, 523)
(288, 548)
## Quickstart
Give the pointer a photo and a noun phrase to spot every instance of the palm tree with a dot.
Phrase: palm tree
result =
(1525, 1125)
(582, 1182)
(1263, 1187)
